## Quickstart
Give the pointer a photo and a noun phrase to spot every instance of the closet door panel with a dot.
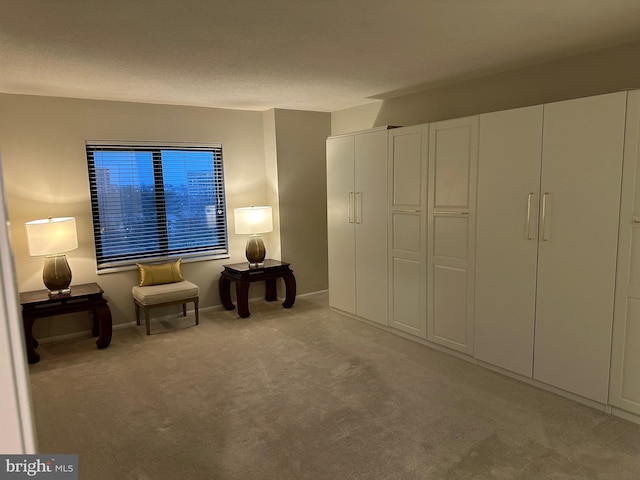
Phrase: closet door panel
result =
(407, 171)
(341, 231)
(406, 294)
(406, 232)
(450, 306)
(371, 226)
(581, 175)
(450, 237)
(407, 235)
(634, 263)
(453, 155)
(452, 166)
(629, 394)
(507, 237)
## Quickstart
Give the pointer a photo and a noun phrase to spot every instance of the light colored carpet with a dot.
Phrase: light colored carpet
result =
(306, 393)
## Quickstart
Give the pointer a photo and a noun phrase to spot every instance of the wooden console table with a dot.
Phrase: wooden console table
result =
(243, 274)
(87, 297)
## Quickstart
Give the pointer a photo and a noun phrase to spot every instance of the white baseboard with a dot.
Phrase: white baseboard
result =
(630, 417)
(310, 294)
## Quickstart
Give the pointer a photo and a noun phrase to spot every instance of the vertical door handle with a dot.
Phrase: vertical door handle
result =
(358, 207)
(530, 197)
(351, 206)
(545, 236)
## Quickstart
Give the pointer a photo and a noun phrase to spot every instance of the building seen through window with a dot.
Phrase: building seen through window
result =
(156, 202)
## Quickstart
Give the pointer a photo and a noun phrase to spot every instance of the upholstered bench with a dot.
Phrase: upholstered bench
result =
(161, 285)
(165, 294)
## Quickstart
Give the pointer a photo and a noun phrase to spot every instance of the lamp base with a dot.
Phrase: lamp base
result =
(255, 250)
(56, 274)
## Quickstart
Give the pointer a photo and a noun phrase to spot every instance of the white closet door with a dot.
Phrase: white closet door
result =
(625, 356)
(407, 233)
(340, 224)
(371, 226)
(507, 237)
(453, 155)
(581, 174)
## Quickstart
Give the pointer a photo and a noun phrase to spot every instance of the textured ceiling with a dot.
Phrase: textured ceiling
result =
(322, 55)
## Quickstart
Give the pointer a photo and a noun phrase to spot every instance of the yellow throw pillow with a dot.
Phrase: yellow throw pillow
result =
(159, 273)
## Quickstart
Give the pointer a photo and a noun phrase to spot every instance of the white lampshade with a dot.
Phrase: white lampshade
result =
(48, 236)
(252, 220)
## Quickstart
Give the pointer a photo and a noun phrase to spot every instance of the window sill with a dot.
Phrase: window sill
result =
(125, 268)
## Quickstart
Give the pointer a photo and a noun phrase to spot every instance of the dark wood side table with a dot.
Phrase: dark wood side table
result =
(87, 297)
(243, 274)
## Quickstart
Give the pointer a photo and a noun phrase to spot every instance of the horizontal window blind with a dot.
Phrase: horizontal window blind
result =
(154, 202)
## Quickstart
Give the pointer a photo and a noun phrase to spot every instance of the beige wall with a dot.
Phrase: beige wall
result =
(355, 119)
(42, 143)
(300, 140)
(271, 167)
(594, 73)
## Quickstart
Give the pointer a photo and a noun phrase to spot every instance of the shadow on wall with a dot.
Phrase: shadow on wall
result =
(594, 73)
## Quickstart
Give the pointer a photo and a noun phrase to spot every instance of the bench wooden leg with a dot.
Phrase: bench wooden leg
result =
(146, 310)
(137, 307)
(146, 320)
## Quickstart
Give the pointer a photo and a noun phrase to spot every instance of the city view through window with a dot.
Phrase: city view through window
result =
(150, 203)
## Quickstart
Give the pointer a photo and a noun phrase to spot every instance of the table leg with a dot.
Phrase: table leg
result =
(271, 293)
(224, 286)
(95, 328)
(102, 317)
(30, 342)
(290, 286)
(242, 296)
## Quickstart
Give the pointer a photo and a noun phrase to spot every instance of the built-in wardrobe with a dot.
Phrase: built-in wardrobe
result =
(357, 224)
(511, 238)
(549, 181)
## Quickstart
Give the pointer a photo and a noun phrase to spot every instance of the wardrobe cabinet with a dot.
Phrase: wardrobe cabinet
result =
(453, 156)
(512, 237)
(357, 224)
(625, 358)
(407, 233)
(546, 255)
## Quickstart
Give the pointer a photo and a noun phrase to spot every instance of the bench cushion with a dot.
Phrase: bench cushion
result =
(168, 292)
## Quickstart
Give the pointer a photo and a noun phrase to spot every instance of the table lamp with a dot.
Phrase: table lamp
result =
(254, 221)
(52, 237)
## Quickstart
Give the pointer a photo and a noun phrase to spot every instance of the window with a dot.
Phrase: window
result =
(154, 202)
